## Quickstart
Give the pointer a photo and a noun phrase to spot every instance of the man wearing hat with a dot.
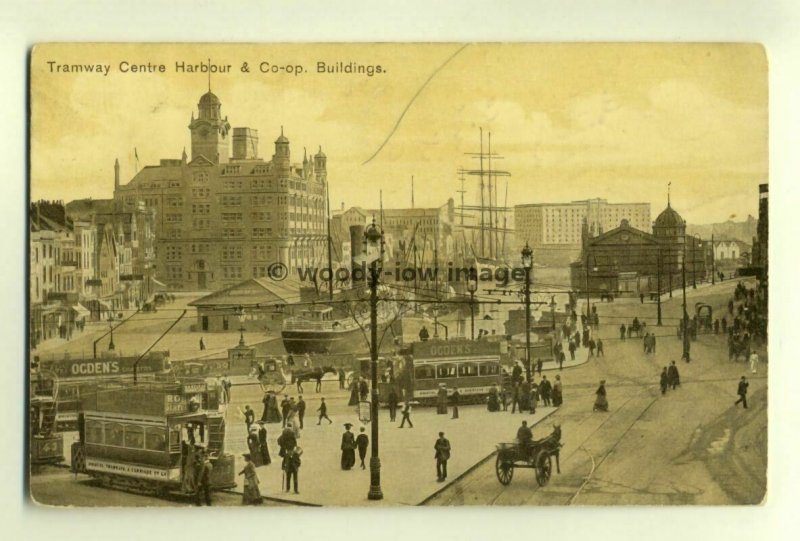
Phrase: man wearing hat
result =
(362, 442)
(442, 448)
(203, 475)
(348, 448)
(291, 465)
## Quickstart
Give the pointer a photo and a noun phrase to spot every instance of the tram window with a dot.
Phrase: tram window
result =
(424, 372)
(468, 369)
(114, 434)
(94, 432)
(134, 437)
(489, 369)
(175, 437)
(446, 371)
(155, 439)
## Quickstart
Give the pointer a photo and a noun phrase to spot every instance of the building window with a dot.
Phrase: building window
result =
(231, 216)
(260, 232)
(200, 248)
(174, 272)
(231, 253)
(201, 208)
(258, 216)
(231, 233)
(201, 193)
(231, 272)
(201, 176)
(231, 200)
(200, 223)
(174, 218)
(174, 252)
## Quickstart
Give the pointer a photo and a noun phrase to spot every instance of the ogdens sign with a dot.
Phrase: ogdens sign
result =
(92, 368)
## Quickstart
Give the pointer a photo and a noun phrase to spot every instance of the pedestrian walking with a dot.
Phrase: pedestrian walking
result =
(263, 447)
(341, 378)
(202, 344)
(442, 448)
(664, 381)
(285, 407)
(301, 410)
(228, 386)
(673, 376)
(291, 467)
(601, 400)
(393, 404)
(753, 362)
(641, 298)
(348, 448)
(251, 494)
(600, 352)
(203, 483)
(561, 359)
(441, 403)
(406, 415)
(362, 442)
(323, 412)
(503, 398)
(493, 404)
(545, 389)
(515, 400)
(622, 332)
(253, 446)
(534, 397)
(286, 441)
(571, 348)
(265, 400)
(455, 398)
(558, 391)
(592, 345)
(742, 392)
(249, 417)
(539, 365)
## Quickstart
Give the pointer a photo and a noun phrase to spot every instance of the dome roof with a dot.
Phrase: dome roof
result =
(282, 138)
(320, 154)
(209, 99)
(669, 218)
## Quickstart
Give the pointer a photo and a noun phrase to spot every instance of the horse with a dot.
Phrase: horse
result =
(299, 375)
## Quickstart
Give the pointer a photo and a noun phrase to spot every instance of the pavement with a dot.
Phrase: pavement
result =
(408, 468)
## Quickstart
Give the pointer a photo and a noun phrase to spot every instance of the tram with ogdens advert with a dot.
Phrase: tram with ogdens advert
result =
(153, 437)
(471, 366)
(70, 379)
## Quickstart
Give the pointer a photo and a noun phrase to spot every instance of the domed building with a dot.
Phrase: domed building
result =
(225, 214)
(626, 261)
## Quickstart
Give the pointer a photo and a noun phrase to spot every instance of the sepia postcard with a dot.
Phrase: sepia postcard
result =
(506, 274)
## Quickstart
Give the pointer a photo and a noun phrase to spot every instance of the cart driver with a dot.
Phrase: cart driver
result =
(524, 435)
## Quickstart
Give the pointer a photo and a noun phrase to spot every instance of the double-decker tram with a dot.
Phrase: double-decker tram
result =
(68, 380)
(471, 366)
(153, 437)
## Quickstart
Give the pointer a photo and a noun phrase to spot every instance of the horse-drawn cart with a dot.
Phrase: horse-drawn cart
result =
(535, 455)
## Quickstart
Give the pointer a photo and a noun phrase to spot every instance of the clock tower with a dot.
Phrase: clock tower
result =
(210, 132)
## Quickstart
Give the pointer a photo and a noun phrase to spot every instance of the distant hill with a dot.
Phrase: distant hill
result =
(743, 231)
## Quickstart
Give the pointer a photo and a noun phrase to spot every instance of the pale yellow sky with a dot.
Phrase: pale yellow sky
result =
(572, 120)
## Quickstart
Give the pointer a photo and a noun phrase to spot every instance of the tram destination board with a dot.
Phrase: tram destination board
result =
(113, 366)
(454, 348)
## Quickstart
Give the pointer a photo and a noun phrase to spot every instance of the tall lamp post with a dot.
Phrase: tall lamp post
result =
(472, 287)
(527, 264)
(373, 237)
(111, 346)
(658, 286)
(686, 356)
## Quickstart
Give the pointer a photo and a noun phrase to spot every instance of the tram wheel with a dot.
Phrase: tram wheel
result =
(544, 468)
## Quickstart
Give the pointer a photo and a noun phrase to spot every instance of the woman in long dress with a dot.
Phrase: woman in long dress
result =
(493, 404)
(253, 446)
(251, 494)
(558, 397)
(601, 402)
(263, 448)
(348, 448)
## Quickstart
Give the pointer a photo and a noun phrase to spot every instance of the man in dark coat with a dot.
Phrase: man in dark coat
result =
(742, 392)
(622, 332)
(524, 436)
(539, 365)
(600, 352)
(664, 381)
(545, 388)
(203, 483)
(423, 334)
(673, 376)
(442, 448)
(572, 349)
(323, 412)
(363, 389)
(291, 466)
(516, 374)
(301, 409)
(287, 441)
(341, 378)
(456, 397)
(348, 448)
(393, 401)
(406, 415)
(362, 442)
(515, 400)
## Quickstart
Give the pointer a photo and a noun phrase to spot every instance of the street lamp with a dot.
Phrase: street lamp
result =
(553, 313)
(373, 237)
(472, 287)
(686, 356)
(527, 264)
(239, 313)
(111, 324)
(658, 285)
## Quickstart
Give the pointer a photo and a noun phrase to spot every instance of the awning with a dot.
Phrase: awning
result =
(81, 311)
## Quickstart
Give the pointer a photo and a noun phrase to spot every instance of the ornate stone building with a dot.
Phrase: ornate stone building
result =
(629, 261)
(225, 217)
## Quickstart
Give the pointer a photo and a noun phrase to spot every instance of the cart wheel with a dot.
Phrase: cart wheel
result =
(544, 468)
(504, 469)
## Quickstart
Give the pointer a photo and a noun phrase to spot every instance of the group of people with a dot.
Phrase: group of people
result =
(670, 378)
(636, 328)
(524, 396)
(351, 442)
(649, 342)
